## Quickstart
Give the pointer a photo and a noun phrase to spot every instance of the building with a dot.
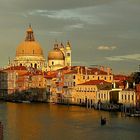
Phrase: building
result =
(138, 96)
(29, 53)
(127, 97)
(3, 83)
(59, 57)
(9, 79)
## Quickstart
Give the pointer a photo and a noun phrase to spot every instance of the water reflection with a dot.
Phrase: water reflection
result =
(53, 122)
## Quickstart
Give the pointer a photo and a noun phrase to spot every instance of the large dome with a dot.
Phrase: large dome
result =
(56, 54)
(29, 47)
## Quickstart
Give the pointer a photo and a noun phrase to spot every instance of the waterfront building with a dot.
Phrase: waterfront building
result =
(3, 83)
(59, 57)
(29, 53)
(91, 92)
(81, 74)
(51, 86)
(138, 96)
(9, 79)
(127, 97)
(120, 81)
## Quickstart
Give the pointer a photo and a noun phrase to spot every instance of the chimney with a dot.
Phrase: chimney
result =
(78, 70)
(114, 85)
(108, 70)
(127, 85)
(102, 68)
(81, 70)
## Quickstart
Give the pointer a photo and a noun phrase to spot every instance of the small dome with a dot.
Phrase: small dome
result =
(56, 54)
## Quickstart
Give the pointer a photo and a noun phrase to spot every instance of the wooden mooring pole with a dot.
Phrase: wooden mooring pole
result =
(1, 131)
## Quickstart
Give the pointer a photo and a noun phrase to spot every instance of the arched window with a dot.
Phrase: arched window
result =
(68, 54)
(31, 65)
(20, 64)
(35, 66)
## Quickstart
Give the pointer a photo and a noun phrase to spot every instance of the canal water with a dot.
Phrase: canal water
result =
(40, 121)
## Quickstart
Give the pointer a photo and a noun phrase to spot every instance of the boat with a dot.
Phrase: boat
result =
(26, 102)
(103, 121)
(133, 114)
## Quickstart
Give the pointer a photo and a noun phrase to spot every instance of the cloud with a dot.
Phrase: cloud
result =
(135, 57)
(79, 63)
(77, 14)
(54, 33)
(106, 48)
(74, 26)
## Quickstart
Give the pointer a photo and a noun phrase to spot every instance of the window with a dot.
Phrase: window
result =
(128, 97)
(35, 66)
(132, 97)
(52, 63)
(68, 54)
(80, 101)
(102, 96)
(73, 76)
(33, 51)
(83, 77)
(125, 97)
(122, 97)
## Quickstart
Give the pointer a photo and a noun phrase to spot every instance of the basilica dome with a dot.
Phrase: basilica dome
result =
(56, 54)
(29, 47)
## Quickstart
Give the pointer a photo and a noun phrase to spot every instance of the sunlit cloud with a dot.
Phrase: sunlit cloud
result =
(106, 48)
(135, 57)
(79, 14)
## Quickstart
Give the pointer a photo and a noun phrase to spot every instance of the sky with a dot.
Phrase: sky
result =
(101, 32)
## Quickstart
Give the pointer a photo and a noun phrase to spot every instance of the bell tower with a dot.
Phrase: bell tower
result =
(68, 54)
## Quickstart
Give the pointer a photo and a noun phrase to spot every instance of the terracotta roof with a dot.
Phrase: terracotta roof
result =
(120, 77)
(71, 72)
(51, 75)
(94, 82)
(86, 70)
(16, 68)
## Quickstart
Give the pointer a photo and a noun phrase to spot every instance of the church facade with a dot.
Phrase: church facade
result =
(30, 54)
(59, 57)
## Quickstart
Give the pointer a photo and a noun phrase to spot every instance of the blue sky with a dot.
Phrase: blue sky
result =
(101, 32)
